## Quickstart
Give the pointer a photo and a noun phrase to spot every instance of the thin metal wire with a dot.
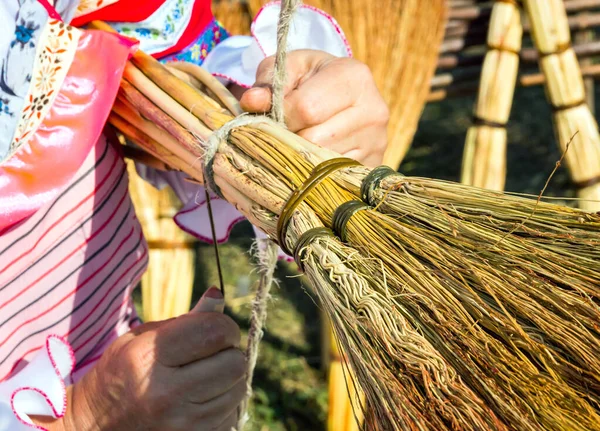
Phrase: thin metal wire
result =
(215, 243)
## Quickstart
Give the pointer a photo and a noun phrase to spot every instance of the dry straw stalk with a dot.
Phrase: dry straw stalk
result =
(484, 159)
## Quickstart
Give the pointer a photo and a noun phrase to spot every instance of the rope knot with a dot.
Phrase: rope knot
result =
(220, 136)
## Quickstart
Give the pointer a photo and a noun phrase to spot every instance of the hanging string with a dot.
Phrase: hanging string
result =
(215, 243)
(267, 250)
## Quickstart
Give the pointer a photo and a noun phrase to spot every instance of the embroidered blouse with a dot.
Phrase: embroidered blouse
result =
(71, 248)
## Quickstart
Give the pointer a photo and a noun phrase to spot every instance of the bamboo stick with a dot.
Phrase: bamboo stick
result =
(484, 157)
(587, 36)
(566, 93)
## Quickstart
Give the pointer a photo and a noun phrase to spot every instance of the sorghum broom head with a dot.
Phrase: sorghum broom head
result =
(566, 94)
(484, 159)
(399, 40)
(458, 308)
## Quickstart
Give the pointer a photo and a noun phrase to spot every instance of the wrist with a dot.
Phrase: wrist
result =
(78, 417)
(61, 424)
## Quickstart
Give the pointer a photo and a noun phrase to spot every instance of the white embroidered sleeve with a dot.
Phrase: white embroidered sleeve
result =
(39, 389)
(236, 59)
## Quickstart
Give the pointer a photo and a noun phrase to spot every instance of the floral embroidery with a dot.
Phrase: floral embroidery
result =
(89, 6)
(163, 29)
(58, 44)
(201, 47)
(46, 79)
(24, 34)
(4, 108)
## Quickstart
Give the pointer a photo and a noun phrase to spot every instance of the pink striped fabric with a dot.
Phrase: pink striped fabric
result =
(69, 269)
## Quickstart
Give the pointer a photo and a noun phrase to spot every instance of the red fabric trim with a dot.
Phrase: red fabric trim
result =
(201, 17)
(51, 11)
(121, 11)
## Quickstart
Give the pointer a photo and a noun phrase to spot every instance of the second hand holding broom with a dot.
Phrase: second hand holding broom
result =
(450, 319)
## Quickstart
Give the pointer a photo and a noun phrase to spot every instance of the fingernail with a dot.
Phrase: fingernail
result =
(257, 90)
(211, 301)
(214, 293)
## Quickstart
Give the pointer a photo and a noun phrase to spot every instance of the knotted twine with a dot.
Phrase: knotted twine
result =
(267, 250)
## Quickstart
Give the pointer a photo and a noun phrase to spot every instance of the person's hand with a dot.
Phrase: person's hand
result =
(180, 374)
(330, 101)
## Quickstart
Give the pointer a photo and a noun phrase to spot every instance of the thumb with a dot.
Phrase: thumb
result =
(211, 301)
(300, 65)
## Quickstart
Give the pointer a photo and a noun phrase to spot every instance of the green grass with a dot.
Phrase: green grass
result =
(290, 387)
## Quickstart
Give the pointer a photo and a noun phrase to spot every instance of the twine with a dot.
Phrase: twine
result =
(215, 140)
(267, 254)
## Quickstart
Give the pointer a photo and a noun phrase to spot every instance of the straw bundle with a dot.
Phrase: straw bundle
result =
(484, 160)
(463, 50)
(233, 15)
(458, 308)
(399, 41)
(566, 93)
(168, 282)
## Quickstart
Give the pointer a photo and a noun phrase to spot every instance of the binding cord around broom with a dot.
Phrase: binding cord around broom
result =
(306, 239)
(211, 148)
(342, 214)
(320, 173)
(219, 136)
(372, 181)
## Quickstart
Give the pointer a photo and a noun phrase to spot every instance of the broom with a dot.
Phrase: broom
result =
(458, 307)
(399, 41)
(484, 159)
(566, 93)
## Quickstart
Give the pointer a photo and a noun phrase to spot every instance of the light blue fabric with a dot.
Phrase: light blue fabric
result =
(22, 22)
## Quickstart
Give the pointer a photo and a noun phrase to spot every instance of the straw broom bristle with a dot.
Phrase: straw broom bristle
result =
(566, 93)
(457, 307)
(484, 159)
